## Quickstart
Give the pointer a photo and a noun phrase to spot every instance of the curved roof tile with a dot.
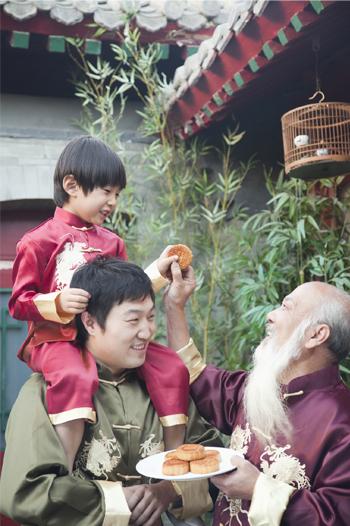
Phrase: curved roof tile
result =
(237, 18)
(151, 15)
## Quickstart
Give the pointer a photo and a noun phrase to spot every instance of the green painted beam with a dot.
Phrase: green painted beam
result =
(208, 112)
(93, 47)
(253, 64)
(282, 37)
(217, 99)
(19, 39)
(296, 23)
(268, 51)
(238, 79)
(228, 88)
(56, 44)
(164, 51)
(191, 50)
(317, 6)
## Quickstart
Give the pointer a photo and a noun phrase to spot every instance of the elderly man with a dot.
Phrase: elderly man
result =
(290, 416)
(105, 488)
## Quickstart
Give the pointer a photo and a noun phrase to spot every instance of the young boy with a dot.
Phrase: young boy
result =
(88, 179)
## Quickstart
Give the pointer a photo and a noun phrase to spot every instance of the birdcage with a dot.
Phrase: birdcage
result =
(316, 140)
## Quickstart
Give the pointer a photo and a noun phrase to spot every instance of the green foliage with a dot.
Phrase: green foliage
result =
(302, 236)
(190, 205)
(99, 88)
(244, 265)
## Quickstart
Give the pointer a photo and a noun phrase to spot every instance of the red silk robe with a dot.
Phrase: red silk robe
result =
(46, 259)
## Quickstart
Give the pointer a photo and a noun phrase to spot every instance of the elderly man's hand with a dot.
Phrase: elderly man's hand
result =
(164, 262)
(239, 483)
(148, 501)
(181, 287)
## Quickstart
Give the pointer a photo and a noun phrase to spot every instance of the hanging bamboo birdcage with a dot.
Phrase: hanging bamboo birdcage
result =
(316, 140)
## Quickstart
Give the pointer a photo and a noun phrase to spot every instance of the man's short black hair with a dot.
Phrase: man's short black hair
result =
(92, 163)
(110, 281)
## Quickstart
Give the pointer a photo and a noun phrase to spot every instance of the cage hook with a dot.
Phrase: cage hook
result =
(318, 92)
(316, 45)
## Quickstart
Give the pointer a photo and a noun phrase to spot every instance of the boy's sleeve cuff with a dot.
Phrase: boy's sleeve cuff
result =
(117, 511)
(46, 305)
(269, 502)
(158, 282)
(195, 498)
(193, 360)
(173, 420)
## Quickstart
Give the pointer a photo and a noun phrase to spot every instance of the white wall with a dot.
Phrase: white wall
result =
(33, 132)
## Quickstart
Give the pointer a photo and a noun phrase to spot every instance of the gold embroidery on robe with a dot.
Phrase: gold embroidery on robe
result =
(234, 507)
(284, 467)
(100, 457)
(67, 262)
(149, 447)
(275, 463)
(240, 439)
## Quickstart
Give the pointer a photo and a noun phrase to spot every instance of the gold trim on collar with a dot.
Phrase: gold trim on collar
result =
(115, 383)
(82, 228)
(287, 395)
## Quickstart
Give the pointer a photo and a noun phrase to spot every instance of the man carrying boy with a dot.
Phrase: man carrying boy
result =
(105, 488)
(88, 179)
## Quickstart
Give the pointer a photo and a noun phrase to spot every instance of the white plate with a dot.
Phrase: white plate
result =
(152, 466)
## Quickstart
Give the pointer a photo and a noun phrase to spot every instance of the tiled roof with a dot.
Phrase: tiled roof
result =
(151, 15)
(241, 12)
(238, 50)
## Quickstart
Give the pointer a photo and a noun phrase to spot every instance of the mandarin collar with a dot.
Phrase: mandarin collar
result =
(326, 377)
(71, 219)
(106, 375)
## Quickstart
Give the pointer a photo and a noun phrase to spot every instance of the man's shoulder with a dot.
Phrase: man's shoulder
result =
(340, 398)
(32, 391)
(231, 378)
(334, 404)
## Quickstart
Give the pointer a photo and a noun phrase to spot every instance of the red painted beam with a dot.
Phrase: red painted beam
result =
(243, 47)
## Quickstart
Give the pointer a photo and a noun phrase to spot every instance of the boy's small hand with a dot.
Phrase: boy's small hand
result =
(164, 263)
(72, 301)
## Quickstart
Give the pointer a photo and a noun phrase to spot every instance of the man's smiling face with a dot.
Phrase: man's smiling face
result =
(123, 343)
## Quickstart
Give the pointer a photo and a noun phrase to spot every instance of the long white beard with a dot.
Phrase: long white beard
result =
(264, 406)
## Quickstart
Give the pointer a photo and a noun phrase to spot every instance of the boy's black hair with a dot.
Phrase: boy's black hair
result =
(110, 281)
(93, 165)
